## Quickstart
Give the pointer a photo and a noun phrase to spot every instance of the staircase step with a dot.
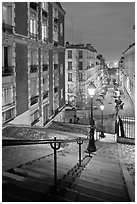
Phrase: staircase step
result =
(18, 190)
(23, 191)
(102, 186)
(37, 172)
(102, 159)
(102, 174)
(75, 196)
(99, 193)
(97, 179)
(8, 197)
(43, 171)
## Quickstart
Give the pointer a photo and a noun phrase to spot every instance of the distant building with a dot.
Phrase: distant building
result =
(129, 71)
(81, 68)
(33, 65)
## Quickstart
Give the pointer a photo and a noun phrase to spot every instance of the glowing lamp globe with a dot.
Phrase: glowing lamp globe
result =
(91, 89)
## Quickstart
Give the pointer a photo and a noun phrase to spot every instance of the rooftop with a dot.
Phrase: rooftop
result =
(81, 46)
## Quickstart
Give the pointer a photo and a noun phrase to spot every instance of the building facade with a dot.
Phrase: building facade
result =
(33, 69)
(128, 71)
(82, 67)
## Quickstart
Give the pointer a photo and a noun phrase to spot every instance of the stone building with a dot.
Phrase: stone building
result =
(33, 65)
(127, 69)
(82, 67)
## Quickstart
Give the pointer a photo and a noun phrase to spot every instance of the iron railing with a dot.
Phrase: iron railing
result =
(128, 126)
(55, 145)
(7, 70)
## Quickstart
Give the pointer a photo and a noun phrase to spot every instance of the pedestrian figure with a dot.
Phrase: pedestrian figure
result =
(121, 127)
(70, 121)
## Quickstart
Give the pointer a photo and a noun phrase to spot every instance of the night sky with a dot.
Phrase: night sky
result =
(108, 26)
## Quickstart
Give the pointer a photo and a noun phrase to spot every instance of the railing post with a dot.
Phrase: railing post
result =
(55, 147)
(80, 142)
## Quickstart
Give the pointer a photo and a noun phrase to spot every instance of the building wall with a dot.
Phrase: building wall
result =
(21, 18)
(21, 70)
(33, 76)
(76, 90)
(129, 71)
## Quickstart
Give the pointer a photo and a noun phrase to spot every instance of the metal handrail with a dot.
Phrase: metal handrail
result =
(55, 145)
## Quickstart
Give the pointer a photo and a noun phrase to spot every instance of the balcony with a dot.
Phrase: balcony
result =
(7, 28)
(33, 36)
(33, 68)
(34, 5)
(7, 71)
(44, 12)
(56, 19)
(56, 89)
(34, 100)
(45, 67)
(45, 94)
(55, 66)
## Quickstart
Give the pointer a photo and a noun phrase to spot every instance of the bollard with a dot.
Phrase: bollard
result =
(55, 147)
(80, 142)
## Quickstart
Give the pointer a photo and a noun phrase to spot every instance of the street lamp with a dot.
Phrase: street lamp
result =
(91, 146)
(102, 132)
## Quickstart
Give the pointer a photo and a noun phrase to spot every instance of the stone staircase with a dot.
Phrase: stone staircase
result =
(98, 179)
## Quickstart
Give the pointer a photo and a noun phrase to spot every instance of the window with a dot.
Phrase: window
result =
(35, 117)
(45, 61)
(33, 25)
(45, 113)
(61, 93)
(33, 87)
(5, 57)
(45, 6)
(55, 89)
(69, 54)
(45, 82)
(44, 30)
(69, 76)
(69, 65)
(80, 54)
(69, 89)
(55, 13)
(80, 77)
(7, 96)
(80, 65)
(7, 14)
(55, 57)
(33, 57)
(8, 115)
(55, 31)
(33, 61)
(61, 69)
(7, 69)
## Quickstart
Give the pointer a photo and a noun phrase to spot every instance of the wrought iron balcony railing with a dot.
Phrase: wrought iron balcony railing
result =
(55, 66)
(33, 68)
(45, 67)
(34, 100)
(34, 5)
(7, 71)
(56, 89)
(7, 28)
(44, 12)
(45, 94)
(33, 36)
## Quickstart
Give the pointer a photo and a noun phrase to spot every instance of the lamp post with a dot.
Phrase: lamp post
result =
(102, 132)
(91, 146)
